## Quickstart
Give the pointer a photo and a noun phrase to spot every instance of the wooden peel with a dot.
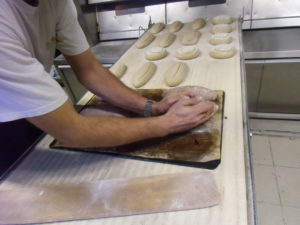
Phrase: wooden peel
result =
(108, 198)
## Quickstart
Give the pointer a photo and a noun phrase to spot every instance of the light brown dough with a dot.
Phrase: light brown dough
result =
(220, 38)
(166, 40)
(223, 51)
(191, 37)
(118, 69)
(221, 28)
(205, 93)
(157, 27)
(156, 53)
(175, 74)
(222, 19)
(143, 74)
(188, 52)
(175, 26)
(198, 23)
(145, 40)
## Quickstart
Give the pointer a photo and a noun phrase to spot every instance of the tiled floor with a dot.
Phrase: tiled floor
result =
(276, 173)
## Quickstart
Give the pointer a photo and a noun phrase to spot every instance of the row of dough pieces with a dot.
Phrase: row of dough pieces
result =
(221, 38)
(177, 71)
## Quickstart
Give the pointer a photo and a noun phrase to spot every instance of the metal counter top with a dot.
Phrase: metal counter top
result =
(272, 43)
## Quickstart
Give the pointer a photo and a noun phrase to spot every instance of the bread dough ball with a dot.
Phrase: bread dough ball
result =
(222, 19)
(144, 40)
(175, 26)
(221, 28)
(118, 69)
(143, 74)
(223, 51)
(198, 23)
(156, 53)
(191, 37)
(166, 40)
(220, 38)
(157, 27)
(176, 73)
(188, 52)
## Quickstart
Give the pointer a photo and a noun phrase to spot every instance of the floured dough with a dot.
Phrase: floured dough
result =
(223, 51)
(220, 38)
(145, 40)
(198, 23)
(143, 74)
(222, 19)
(191, 37)
(118, 69)
(205, 93)
(166, 40)
(156, 53)
(175, 74)
(221, 28)
(188, 52)
(175, 26)
(157, 27)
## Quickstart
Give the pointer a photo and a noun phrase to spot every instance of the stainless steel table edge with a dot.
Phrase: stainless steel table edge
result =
(251, 208)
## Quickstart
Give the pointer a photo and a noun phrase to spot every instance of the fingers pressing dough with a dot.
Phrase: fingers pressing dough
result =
(118, 69)
(143, 74)
(191, 37)
(186, 53)
(175, 26)
(157, 27)
(198, 23)
(176, 73)
(221, 28)
(166, 40)
(156, 53)
(145, 40)
(223, 51)
(222, 19)
(220, 38)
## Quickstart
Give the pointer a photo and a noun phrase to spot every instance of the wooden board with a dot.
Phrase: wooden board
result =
(200, 147)
(108, 198)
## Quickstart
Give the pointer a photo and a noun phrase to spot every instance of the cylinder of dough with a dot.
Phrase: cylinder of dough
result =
(221, 28)
(176, 73)
(156, 53)
(143, 74)
(119, 69)
(188, 52)
(145, 40)
(166, 40)
(175, 26)
(220, 38)
(198, 23)
(191, 37)
(222, 19)
(223, 51)
(157, 27)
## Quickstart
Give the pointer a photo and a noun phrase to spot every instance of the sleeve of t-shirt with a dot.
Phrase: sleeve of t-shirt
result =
(70, 37)
(26, 90)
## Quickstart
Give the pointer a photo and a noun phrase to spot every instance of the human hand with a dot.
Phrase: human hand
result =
(163, 106)
(186, 114)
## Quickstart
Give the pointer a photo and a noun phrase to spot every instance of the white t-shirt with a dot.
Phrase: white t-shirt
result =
(28, 38)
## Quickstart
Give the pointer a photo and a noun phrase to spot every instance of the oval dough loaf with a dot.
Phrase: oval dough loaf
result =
(223, 51)
(166, 40)
(186, 53)
(220, 38)
(156, 53)
(191, 37)
(222, 19)
(198, 23)
(221, 28)
(176, 73)
(175, 26)
(157, 27)
(145, 40)
(119, 69)
(143, 74)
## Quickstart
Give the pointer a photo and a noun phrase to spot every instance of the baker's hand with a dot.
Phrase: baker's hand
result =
(163, 106)
(186, 114)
